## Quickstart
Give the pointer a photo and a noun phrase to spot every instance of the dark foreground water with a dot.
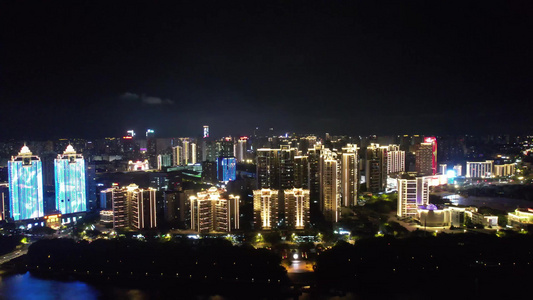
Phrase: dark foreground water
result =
(28, 287)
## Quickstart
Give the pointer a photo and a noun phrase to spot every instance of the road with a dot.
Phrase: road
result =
(14, 254)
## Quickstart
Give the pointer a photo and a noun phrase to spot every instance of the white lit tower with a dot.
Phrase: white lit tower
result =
(349, 175)
(25, 186)
(70, 182)
(329, 185)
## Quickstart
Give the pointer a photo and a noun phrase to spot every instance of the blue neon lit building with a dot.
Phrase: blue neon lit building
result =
(25, 186)
(70, 182)
(226, 168)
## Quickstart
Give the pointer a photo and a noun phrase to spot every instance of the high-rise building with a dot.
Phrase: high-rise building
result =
(70, 174)
(479, 169)
(241, 149)
(296, 208)
(314, 175)
(212, 212)
(176, 155)
(376, 168)
(286, 166)
(349, 175)
(4, 201)
(25, 186)
(184, 153)
(424, 159)
(275, 167)
(267, 168)
(266, 209)
(226, 169)
(433, 141)
(163, 161)
(151, 151)
(119, 206)
(301, 172)
(329, 185)
(412, 192)
(134, 207)
(206, 131)
(395, 160)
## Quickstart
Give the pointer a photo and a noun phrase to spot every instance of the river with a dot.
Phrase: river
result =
(505, 204)
(28, 287)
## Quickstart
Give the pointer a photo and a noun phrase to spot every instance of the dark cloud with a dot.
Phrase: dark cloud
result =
(150, 100)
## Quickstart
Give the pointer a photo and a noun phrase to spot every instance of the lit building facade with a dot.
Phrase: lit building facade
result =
(458, 170)
(226, 169)
(395, 159)
(479, 169)
(296, 208)
(301, 171)
(424, 159)
(433, 141)
(349, 175)
(412, 192)
(206, 131)
(25, 186)
(211, 212)
(70, 184)
(504, 170)
(133, 207)
(266, 209)
(376, 168)
(241, 149)
(329, 185)
(443, 169)
(138, 165)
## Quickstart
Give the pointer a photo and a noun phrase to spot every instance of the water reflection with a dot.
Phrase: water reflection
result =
(29, 287)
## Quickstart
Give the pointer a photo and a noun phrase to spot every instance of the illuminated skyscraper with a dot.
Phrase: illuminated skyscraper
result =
(395, 160)
(266, 209)
(296, 208)
(301, 172)
(267, 168)
(70, 182)
(176, 155)
(212, 212)
(240, 149)
(412, 192)
(151, 153)
(349, 175)
(206, 131)
(424, 159)
(329, 185)
(4, 201)
(226, 169)
(275, 167)
(433, 141)
(376, 168)
(25, 186)
(134, 208)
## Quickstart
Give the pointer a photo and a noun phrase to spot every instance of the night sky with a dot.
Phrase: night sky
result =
(95, 69)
